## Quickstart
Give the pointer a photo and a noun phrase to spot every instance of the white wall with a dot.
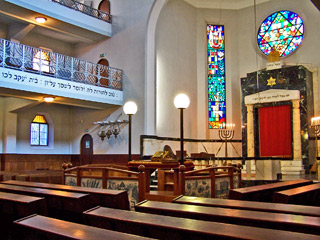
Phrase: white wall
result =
(176, 68)
(124, 50)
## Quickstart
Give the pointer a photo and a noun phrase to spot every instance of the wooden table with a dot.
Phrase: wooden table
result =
(99, 197)
(166, 227)
(264, 193)
(151, 167)
(250, 205)
(37, 227)
(288, 222)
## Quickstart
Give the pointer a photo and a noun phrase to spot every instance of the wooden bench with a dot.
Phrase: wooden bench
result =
(264, 193)
(99, 197)
(166, 227)
(15, 206)
(1, 177)
(306, 195)
(60, 204)
(249, 205)
(278, 221)
(39, 227)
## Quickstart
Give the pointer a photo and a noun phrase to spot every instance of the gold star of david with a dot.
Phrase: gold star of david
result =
(271, 81)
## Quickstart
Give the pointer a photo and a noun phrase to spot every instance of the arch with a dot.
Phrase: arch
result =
(104, 6)
(150, 68)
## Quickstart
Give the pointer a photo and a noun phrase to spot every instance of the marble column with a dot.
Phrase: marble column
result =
(295, 166)
(250, 138)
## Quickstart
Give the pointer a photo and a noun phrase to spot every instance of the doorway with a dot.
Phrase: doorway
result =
(86, 149)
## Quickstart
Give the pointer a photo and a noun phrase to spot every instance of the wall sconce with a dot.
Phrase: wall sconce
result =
(114, 128)
(181, 101)
(102, 135)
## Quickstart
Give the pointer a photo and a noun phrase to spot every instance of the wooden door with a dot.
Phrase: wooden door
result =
(86, 149)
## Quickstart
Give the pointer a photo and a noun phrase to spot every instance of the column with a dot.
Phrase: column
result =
(250, 138)
(295, 166)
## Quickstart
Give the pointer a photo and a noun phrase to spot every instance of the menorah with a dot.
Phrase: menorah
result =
(315, 125)
(227, 134)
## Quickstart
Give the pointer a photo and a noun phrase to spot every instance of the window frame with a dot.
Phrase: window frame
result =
(39, 132)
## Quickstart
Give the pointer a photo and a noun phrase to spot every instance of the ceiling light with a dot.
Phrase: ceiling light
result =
(41, 19)
(48, 99)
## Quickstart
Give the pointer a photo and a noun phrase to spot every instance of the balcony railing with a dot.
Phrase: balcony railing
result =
(85, 9)
(38, 61)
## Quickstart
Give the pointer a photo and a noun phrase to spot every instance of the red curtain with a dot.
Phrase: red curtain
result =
(275, 131)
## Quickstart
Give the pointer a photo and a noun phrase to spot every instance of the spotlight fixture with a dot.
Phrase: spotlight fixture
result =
(40, 19)
(48, 99)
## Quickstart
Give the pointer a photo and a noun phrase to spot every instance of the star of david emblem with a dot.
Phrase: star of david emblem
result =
(271, 81)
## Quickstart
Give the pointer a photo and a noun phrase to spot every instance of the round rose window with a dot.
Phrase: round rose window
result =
(281, 31)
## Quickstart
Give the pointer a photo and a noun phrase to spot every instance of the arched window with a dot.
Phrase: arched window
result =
(104, 6)
(39, 131)
(41, 62)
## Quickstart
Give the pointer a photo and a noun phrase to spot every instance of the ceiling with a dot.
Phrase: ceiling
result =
(224, 4)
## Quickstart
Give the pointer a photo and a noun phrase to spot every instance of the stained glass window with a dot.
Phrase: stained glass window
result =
(39, 131)
(216, 77)
(282, 31)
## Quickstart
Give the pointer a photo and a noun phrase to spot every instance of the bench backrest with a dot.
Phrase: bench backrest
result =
(18, 206)
(101, 197)
(166, 227)
(249, 205)
(265, 192)
(61, 204)
(279, 221)
(306, 195)
(40, 227)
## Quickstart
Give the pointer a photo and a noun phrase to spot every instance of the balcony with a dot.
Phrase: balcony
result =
(85, 9)
(40, 71)
(80, 23)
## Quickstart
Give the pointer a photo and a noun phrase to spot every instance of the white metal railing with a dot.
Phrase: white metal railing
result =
(85, 9)
(39, 61)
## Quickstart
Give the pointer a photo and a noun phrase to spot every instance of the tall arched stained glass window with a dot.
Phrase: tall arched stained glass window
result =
(282, 31)
(216, 77)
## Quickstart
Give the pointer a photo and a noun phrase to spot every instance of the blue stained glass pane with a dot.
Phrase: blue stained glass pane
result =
(278, 31)
(216, 76)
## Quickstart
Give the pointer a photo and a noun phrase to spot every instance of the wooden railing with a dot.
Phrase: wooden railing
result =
(214, 182)
(109, 178)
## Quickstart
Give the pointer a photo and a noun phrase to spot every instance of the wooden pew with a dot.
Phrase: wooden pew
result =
(249, 205)
(264, 193)
(166, 227)
(60, 204)
(99, 197)
(289, 222)
(306, 195)
(15, 206)
(37, 227)
(1, 177)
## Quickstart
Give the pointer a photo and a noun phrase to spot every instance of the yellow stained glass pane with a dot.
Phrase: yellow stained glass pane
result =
(39, 119)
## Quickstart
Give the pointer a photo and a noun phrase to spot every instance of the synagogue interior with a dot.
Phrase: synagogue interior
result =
(159, 119)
